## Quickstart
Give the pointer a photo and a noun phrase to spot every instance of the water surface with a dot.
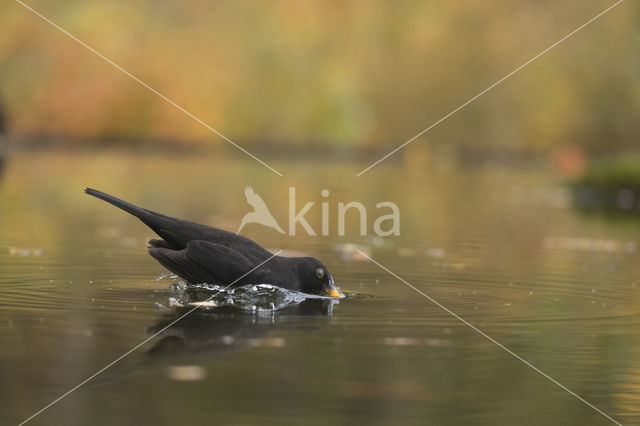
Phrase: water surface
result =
(499, 247)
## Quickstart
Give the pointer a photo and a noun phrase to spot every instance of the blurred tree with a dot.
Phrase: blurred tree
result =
(363, 73)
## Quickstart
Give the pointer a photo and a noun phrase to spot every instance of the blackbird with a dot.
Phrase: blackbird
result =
(203, 254)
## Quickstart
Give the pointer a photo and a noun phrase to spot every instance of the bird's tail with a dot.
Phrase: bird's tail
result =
(139, 212)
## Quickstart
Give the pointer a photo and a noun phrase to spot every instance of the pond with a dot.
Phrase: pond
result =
(499, 247)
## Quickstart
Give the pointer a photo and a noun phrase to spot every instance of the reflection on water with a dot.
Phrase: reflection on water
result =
(499, 247)
(230, 328)
(183, 335)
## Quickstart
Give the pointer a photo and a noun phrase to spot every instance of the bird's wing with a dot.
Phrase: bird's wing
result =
(179, 262)
(227, 264)
(255, 200)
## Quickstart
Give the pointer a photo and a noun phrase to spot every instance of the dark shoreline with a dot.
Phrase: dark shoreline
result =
(463, 155)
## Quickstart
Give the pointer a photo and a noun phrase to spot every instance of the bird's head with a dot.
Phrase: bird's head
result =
(316, 279)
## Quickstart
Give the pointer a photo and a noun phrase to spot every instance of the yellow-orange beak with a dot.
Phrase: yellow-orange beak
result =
(334, 292)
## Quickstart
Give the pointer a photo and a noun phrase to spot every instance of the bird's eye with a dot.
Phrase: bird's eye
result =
(320, 273)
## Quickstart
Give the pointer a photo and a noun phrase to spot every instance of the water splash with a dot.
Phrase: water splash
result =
(251, 297)
(169, 275)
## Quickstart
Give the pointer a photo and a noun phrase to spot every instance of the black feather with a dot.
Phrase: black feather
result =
(203, 254)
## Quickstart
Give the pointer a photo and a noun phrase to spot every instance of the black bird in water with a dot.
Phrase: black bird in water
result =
(202, 254)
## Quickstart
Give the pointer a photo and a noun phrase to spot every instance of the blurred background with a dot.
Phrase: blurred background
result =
(519, 212)
(359, 77)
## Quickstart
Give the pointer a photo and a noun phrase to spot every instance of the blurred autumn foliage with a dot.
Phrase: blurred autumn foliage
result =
(357, 73)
